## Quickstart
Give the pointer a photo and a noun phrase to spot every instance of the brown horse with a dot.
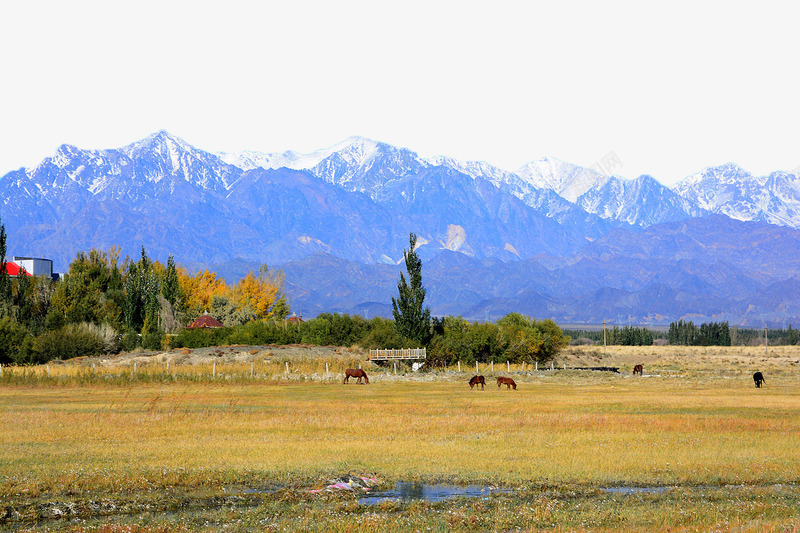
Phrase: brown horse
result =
(638, 370)
(355, 373)
(508, 382)
(477, 380)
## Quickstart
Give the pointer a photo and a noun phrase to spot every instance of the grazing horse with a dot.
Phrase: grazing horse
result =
(758, 377)
(637, 370)
(508, 382)
(355, 373)
(477, 380)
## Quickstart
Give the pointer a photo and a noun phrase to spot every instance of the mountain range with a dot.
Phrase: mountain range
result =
(551, 240)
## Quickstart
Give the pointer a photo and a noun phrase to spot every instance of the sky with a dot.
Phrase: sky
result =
(664, 89)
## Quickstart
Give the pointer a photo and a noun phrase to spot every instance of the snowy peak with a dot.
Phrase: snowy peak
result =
(475, 169)
(161, 142)
(568, 180)
(144, 168)
(354, 151)
(162, 156)
(367, 166)
(163, 162)
(732, 191)
(641, 202)
(357, 151)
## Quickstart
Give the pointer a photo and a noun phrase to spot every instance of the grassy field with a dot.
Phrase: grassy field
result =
(239, 449)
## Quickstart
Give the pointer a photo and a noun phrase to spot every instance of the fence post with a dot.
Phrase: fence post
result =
(251, 370)
(551, 366)
(48, 370)
(1, 370)
(326, 368)
(537, 366)
(523, 366)
(134, 367)
(459, 366)
(395, 368)
(477, 370)
(508, 365)
(492, 366)
(287, 367)
(214, 370)
(167, 367)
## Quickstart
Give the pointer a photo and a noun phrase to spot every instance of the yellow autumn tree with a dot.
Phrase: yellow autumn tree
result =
(199, 290)
(262, 293)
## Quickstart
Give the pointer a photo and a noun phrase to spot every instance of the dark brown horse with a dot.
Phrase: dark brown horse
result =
(508, 382)
(638, 370)
(477, 380)
(758, 377)
(355, 373)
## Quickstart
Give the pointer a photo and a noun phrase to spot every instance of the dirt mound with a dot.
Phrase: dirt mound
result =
(229, 354)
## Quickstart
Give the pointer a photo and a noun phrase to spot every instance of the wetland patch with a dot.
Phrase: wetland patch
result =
(405, 492)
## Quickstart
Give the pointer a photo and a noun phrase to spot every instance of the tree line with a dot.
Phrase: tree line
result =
(106, 305)
(514, 338)
(687, 333)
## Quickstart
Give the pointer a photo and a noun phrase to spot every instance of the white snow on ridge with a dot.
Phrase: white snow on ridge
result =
(732, 191)
(357, 150)
(568, 180)
(360, 164)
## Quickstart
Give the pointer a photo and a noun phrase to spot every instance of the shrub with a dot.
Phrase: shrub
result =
(201, 337)
(130, 341)
(152, 340)
(12, 335)
(112, 341)
(260, 332)
(383, 334)
(74, 340)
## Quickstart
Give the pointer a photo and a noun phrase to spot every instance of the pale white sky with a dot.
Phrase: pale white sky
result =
(667, 87)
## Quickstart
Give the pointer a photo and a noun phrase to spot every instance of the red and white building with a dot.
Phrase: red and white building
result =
(30, 266)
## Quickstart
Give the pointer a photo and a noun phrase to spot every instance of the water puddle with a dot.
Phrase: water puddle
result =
(635, 490)
(433, 493)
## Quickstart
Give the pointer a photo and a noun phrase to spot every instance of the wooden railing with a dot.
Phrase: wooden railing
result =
(397, 354)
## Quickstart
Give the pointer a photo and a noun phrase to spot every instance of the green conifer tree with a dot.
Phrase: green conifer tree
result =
(411, 319)
(5, 279)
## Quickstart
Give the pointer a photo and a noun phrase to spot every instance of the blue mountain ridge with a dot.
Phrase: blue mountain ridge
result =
(492, 242)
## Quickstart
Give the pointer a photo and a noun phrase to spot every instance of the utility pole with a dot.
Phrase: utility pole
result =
(766, 340)
(604, 335)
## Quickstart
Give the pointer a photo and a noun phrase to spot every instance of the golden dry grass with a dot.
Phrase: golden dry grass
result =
(694, 418)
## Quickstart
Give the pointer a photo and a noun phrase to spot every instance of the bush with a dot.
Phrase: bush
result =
(74, 340)
(152, 340)
(112, 341)
(383, 334)
(260, 332)
(12, 335)
(335, 329)
(201, 337)
(130, 341)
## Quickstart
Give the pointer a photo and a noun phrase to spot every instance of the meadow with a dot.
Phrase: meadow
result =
(238, 445)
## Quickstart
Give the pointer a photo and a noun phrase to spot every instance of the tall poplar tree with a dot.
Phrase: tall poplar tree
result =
(411, 319)
(5, 279)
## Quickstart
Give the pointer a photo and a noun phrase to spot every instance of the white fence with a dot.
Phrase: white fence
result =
(395, 355)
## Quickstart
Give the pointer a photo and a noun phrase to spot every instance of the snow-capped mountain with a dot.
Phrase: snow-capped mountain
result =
(568, 180)
(730, 190)
(641, 202)
(552, 237)
(552, 187)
